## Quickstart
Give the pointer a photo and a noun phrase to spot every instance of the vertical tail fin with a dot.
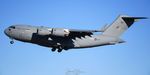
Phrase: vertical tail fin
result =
(120, 25)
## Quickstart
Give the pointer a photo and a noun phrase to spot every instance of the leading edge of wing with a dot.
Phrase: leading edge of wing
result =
(85, 31)
(89, 31)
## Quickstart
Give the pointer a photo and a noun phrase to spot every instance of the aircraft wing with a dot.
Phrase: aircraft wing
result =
(88, 31)
(73, 33)
(84, 31)
(80, 33)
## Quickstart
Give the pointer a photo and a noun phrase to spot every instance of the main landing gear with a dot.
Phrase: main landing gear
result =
(53, 49)
(59, 49)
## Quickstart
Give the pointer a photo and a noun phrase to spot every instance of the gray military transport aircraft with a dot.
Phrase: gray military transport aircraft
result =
(60, 38)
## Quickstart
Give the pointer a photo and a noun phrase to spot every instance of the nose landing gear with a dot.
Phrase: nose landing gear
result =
(11, 42)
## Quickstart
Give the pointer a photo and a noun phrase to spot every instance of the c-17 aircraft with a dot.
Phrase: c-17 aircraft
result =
(61, 38)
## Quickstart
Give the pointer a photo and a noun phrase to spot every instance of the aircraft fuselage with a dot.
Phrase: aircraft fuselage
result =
(29, 34)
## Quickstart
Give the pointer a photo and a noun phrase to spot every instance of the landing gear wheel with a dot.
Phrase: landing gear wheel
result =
(11, 42)
(59, 50)
(53, 49)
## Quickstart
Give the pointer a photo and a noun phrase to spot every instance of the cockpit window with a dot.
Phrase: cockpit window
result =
(13, 27)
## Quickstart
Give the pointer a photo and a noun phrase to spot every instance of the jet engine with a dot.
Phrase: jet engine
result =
(61, 32)
(43, 32)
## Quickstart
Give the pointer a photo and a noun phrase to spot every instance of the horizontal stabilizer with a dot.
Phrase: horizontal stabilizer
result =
(135, 17)
(130, 20)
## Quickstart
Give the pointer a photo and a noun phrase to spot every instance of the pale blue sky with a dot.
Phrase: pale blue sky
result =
(130, 58)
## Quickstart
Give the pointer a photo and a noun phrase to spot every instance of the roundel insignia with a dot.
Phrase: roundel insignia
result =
(95, 39)
(117, 27)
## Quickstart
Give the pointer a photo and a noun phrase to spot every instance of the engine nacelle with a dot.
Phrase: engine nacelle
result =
(61, 32)
(43, 31)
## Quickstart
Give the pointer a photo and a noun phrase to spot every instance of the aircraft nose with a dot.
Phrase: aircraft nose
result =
(6, 31)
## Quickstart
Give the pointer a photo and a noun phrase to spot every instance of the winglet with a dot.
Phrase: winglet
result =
(103, 28)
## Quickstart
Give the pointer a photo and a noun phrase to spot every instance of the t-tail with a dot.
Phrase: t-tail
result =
(120, 25)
